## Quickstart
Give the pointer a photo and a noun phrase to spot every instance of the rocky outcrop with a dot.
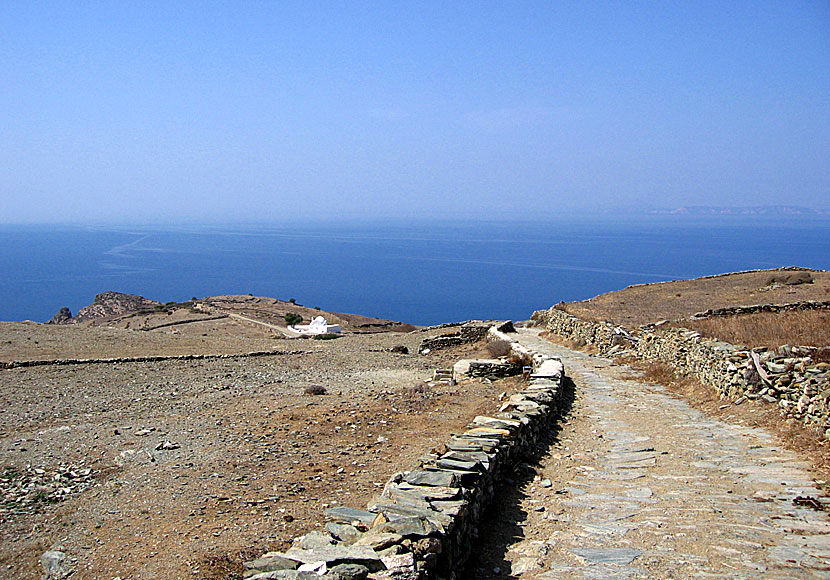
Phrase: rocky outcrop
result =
(110, 303)
(795, 378)
(62, 316)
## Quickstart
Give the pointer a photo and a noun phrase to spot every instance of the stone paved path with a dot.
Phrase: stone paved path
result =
(640, 485)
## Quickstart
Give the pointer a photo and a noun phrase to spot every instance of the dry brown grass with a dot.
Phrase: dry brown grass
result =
(566, 342)
(645, 304)
(806, 328)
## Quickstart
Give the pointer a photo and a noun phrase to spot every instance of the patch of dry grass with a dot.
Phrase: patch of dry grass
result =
(566, 342)
(498, 348)
(804, 328)
(648, 303)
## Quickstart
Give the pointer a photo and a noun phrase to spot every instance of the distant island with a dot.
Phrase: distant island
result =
(763, 210)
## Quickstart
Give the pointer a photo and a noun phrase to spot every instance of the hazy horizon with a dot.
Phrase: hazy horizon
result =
(211, 112)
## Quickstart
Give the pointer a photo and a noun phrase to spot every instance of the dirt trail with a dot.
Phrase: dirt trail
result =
(640, 485)
(286, 331)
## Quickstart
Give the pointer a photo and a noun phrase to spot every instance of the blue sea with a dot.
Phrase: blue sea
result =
(417, 271)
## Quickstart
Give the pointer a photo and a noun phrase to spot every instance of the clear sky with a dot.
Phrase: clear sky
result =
(137, 111)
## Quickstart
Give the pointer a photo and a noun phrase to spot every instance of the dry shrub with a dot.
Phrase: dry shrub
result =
(769, 329)
(315, 390)
(574, 344)
(519, 360)
(655, 371)
(498, 348)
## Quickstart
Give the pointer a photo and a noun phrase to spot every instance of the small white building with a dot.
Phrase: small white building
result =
(318, 325)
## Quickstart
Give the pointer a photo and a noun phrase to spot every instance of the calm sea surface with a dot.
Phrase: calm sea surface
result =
(418, 272)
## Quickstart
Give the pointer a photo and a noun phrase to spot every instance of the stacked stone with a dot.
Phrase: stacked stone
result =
(469, 333)
(425, 522)
(132, 359)
(788, 377)
(789, 307)
(491, 369)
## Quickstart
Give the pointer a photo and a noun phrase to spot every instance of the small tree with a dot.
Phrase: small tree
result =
(293, 318)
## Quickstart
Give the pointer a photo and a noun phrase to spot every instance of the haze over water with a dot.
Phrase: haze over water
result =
(417, 271)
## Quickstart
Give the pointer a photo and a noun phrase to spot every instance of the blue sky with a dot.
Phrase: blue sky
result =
(142, 111)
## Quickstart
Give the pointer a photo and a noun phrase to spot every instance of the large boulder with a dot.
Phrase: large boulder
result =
(110, 303)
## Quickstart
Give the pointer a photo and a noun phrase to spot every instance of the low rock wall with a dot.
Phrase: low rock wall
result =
(132, 359)
(425, 522)
(787, 377)
(470, 332)
(789, 307)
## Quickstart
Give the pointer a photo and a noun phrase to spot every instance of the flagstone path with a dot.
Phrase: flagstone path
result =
(640, 485)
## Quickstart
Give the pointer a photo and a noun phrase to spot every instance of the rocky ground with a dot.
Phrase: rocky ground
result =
(638, 484)
(180, 469)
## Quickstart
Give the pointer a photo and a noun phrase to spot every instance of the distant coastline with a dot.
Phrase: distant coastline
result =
(760, 210)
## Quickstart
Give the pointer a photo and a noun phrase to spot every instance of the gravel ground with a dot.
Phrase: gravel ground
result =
(195, 466)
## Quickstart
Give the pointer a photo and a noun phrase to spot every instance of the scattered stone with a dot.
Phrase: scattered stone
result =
(433, 511)
(52, 561)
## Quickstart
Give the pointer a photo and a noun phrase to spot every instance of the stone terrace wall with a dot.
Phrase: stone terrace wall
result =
(733, 310)
(788, 377)
(425, 523)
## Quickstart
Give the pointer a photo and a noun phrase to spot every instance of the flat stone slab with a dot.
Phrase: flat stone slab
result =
(347, 515)
(337, 554)
(607, 556)
(639, 464)
(433, 478)
(606, 529)
(487, 432)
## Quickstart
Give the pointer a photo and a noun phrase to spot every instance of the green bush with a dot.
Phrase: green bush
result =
(293, 318)
(327, 336)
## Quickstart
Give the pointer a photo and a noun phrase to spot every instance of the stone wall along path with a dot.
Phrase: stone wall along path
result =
(641, 485)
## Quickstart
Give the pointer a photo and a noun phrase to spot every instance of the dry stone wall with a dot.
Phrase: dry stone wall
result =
(131, 359)
(734, 310)
(788, 377)
(469, 333)
(425, 523)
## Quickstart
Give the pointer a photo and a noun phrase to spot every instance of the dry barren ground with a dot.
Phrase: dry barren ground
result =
(198, 465)
(648, 303)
